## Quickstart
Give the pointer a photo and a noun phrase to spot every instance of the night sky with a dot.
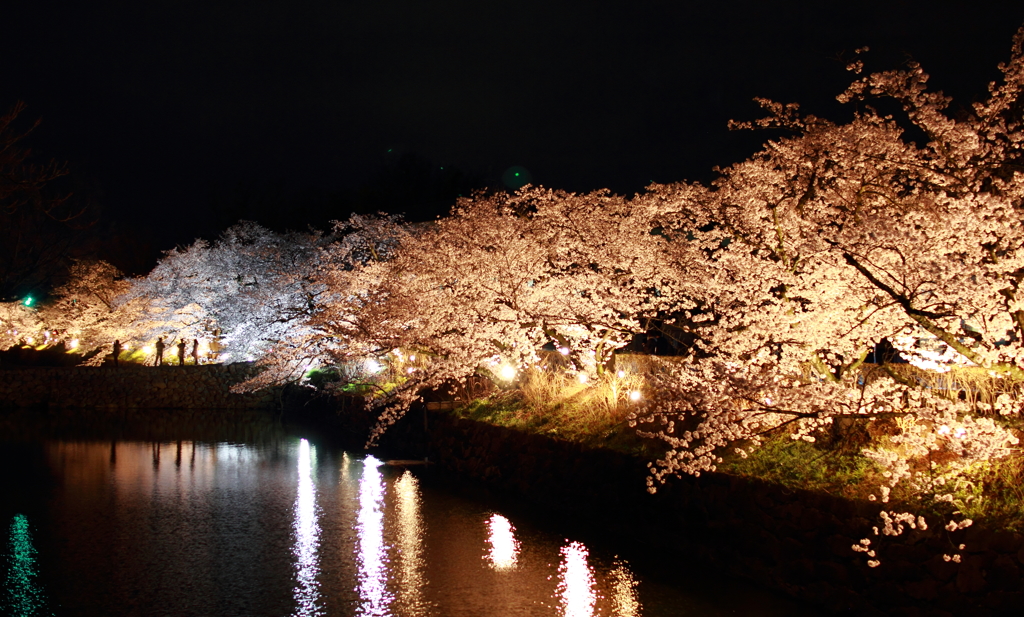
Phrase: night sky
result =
(179, 118)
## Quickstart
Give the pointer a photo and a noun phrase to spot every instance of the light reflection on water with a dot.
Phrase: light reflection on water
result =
(576, 587)
(307, 538)
(375, 599)
(625, 598)
(504, 546)
(286, 528)
(24, 596)
(410, 580)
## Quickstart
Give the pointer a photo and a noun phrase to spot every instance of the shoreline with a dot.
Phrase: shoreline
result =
(794, 541)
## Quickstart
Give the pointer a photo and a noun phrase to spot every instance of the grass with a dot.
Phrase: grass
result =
(798, 464)
(989, 492)
(594, 413)
(998, 495)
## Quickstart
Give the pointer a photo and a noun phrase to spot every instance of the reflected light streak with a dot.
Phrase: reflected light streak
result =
(504, 546)
(410, 544)
(373, 594)
(625, 599)
(307, 539)
(24, 594)
(576, 586)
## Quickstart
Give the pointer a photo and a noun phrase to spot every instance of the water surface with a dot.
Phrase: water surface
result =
(287, 527)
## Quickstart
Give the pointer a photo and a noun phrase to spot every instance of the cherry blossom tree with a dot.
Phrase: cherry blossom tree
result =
(250, 290)
(346, 322)
(87, 310)
(485, 289)
(831, 239)
(18, 324)
(84, 314)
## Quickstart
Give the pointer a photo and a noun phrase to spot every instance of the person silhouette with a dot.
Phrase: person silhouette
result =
(159, 352)
(181, 352)
(117, 351)
(195, 351)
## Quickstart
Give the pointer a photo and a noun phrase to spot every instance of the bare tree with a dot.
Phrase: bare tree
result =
(38, 224)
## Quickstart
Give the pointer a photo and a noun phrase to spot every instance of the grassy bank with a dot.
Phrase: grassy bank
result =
(596, 414)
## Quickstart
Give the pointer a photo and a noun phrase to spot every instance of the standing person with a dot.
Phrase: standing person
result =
(195, 351)
(159, 352)
(181, 352)
(117, 351)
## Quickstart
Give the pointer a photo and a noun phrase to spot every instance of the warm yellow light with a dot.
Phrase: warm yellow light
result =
(634, 395)
(73, 344)
(582, 377)
(507, 372)
(147, 349)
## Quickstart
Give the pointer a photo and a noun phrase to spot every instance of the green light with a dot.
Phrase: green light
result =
(27, 301)
(516, 177)
(23, 593)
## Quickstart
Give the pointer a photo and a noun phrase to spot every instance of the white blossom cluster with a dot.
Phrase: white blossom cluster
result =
(809, 253)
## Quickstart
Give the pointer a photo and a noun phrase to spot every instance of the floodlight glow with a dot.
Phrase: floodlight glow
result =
(634, 395)
(620, 374)
(28, 301)
(147, 349)
(73, 344)
(507, 372)
(564, 351)
(372, 366)
(582, 377)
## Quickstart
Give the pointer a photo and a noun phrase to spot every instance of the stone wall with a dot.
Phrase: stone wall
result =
(131, 387)
(799, 542)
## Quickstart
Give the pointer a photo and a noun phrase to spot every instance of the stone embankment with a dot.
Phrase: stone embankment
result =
(132, 387)
(796, 541)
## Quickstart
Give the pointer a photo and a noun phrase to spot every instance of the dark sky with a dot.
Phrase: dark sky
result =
(181, 116)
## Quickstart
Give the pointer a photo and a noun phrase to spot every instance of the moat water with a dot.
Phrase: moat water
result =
(284, 525)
